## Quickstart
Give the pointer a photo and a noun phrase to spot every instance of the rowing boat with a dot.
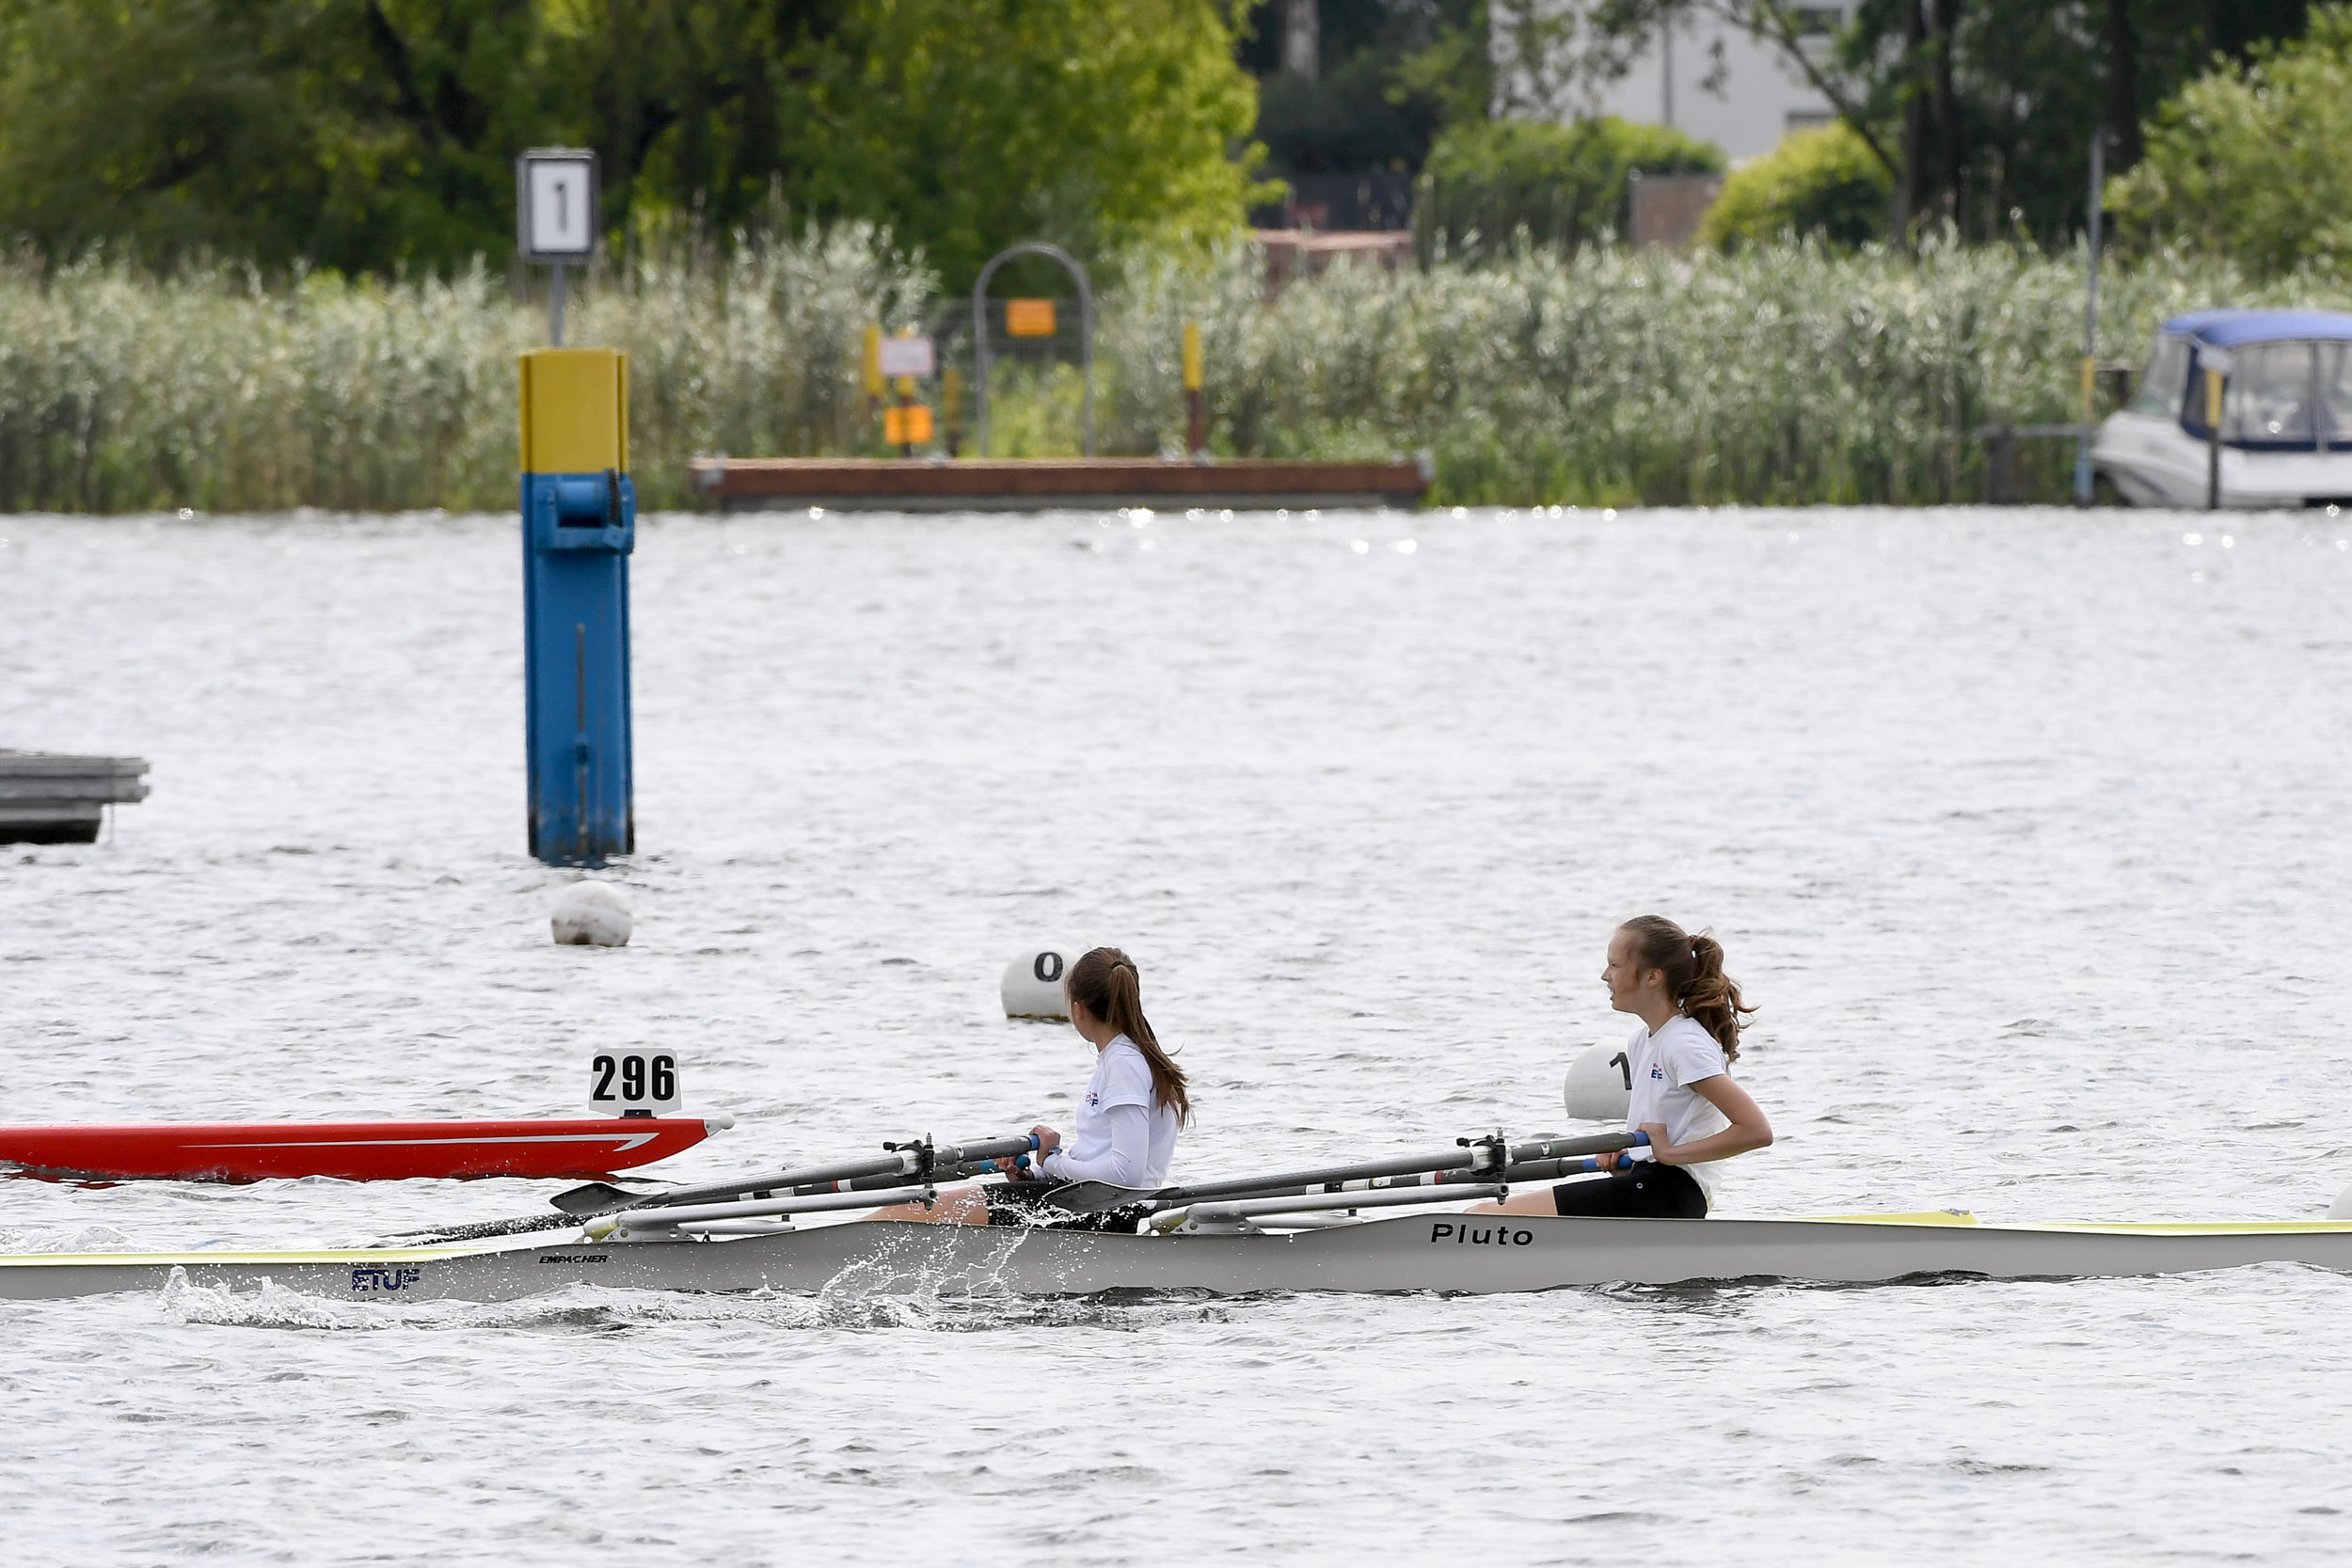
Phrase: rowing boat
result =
(354, 1150)
(1448, 1251)
(1330, 1227)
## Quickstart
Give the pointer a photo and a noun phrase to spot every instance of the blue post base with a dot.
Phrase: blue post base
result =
(577, 533)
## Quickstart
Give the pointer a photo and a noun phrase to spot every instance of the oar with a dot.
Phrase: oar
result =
(922, 1162)
(1531, 1170)
(899, 1163)
(1469, 1160)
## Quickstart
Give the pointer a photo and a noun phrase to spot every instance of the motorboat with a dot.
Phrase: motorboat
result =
(2285, 436)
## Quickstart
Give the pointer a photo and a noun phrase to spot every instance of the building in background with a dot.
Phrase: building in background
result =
(1705, 77)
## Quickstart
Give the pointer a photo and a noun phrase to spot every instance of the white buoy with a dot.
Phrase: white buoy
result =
(1033, 983)
(2341, 1207)
(1599, 1086)
(591, 914)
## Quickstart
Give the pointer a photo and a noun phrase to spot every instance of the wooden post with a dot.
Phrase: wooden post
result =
(2001, 465)
(1195, 433)
(2213, 439)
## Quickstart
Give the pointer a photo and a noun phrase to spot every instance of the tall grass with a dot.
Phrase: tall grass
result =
(1779, 375)
(1776, 375)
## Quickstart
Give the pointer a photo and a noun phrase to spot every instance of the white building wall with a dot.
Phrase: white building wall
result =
(1706, 78)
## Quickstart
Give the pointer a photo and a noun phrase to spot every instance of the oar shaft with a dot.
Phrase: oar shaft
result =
(1453, 1165)
(901, 1163)
(653, 1219)
(1531, 1170)
(963, 1172)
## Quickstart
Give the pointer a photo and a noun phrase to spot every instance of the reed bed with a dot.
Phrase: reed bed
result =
(1776, 375)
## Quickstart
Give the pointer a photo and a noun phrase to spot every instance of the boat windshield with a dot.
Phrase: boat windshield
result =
(2165, 380)
(2268, 396)
(2334, 408)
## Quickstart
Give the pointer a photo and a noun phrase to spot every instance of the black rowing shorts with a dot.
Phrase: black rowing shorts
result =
(1647, 1192)
(1031, 1203)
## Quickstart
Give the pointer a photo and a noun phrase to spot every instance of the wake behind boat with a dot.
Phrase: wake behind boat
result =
(1331, 1228)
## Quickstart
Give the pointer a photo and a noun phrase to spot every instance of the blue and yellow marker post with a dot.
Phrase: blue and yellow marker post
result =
(579, 523)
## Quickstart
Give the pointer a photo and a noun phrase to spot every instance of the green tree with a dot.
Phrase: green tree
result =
(2248, 162)
(1981, 111)
(1565, 184)
(353, 133)
(370, 135)
(968, 124)
(1823, 184)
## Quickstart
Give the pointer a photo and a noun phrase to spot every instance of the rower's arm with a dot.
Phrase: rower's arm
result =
(1748, 1129)
(1121, 1164)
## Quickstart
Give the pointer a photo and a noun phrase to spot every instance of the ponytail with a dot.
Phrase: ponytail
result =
(1103, 982)
(1695, 981)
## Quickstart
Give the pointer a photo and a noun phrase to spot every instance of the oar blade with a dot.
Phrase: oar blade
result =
(596, 1198)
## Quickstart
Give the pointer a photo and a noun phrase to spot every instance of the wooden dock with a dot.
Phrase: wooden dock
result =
(46, 798)
(1050, 484)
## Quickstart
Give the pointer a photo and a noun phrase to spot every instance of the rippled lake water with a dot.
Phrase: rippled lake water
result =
(2028, 830)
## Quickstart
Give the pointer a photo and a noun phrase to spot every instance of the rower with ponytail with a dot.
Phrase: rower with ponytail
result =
(1124, 1137)
(1678, 1064)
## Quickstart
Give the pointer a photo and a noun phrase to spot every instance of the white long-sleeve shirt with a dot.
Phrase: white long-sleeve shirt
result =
(1124, 1133)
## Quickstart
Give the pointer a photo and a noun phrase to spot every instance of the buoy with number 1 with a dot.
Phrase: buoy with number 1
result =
(1599, 1086)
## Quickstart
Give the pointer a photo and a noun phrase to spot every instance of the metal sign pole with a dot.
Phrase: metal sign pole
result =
(2090, 321)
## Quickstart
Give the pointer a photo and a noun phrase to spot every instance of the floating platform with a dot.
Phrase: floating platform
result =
(47, 798)
(1051, 483)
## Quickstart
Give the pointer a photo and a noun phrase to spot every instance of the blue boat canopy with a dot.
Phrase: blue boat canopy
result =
(2232, 328)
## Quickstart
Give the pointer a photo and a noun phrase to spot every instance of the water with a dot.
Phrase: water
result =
(2027, 829)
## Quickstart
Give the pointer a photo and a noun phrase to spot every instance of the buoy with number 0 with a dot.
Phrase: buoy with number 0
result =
(1599, 1086)
(590, 913)
(1033, 983)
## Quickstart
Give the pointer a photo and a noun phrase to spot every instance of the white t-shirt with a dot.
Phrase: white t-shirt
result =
(1664, 1067)
(1124, 1135)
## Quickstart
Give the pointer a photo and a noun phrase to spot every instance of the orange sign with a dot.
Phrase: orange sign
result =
(908, 426)
(1029, 318)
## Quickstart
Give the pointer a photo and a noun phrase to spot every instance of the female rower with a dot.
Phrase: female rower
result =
(1125, 1133)
(1679, 1061)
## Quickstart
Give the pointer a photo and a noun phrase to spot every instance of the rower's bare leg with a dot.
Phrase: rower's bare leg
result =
(963, 1206)
(1540, 1201)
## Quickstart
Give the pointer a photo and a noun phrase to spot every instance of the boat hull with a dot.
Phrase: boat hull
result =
(1449, 1252)
(2153, 462)
(353, 1151)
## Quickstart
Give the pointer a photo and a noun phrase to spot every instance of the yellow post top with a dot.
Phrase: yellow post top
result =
(873, 360)
(1192, 356)
(575, 406)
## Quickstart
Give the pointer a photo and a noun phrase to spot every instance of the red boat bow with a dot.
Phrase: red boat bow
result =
(354, 1150)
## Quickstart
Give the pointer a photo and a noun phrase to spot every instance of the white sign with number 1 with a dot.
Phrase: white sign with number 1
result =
(558, 191)
(633, 1083)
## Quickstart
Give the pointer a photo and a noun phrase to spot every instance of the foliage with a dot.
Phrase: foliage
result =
(1565, 184)
(1775, 374)
(2248, 162)
(968, 124)
(121, 390)
(1981, 111)
(377, 135)
(1394, 72)
(279, 131)
(1821, 183)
